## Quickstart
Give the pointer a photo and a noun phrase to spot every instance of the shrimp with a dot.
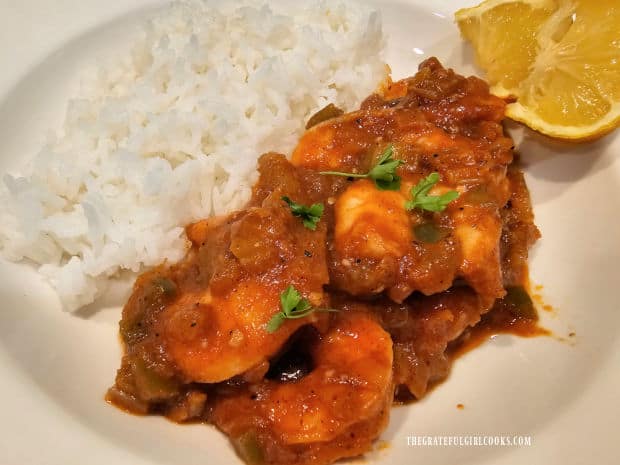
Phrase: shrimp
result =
(378, 245)
(213, 338)
(217, 332)
(335, 411)
(204, 319)
(371, 223)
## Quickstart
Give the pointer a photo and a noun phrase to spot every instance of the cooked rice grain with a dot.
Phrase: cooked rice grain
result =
(171, 133)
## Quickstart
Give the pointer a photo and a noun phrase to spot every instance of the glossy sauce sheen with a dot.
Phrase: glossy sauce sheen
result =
(409, 286)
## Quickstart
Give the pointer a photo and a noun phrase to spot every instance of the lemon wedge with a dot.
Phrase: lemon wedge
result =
(559, 60)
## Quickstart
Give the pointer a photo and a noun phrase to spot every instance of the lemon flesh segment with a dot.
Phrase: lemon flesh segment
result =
(576, 81)
(504, 39)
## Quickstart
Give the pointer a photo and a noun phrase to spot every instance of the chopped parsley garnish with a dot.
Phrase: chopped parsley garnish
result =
(432, 203)
(310, 216)
(293, 306)
(383, 173)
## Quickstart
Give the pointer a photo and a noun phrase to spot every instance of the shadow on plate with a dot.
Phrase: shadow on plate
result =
(558, 161)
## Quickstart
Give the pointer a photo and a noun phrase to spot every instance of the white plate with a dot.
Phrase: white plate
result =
(56, 367)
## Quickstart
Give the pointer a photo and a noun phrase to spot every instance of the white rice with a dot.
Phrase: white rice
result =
(170, 133)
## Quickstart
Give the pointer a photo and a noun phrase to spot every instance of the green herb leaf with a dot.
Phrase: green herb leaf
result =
(293, 306)
(383, 173)
(433, 203)
(310, 216)
(275, 322)
(290, 298)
